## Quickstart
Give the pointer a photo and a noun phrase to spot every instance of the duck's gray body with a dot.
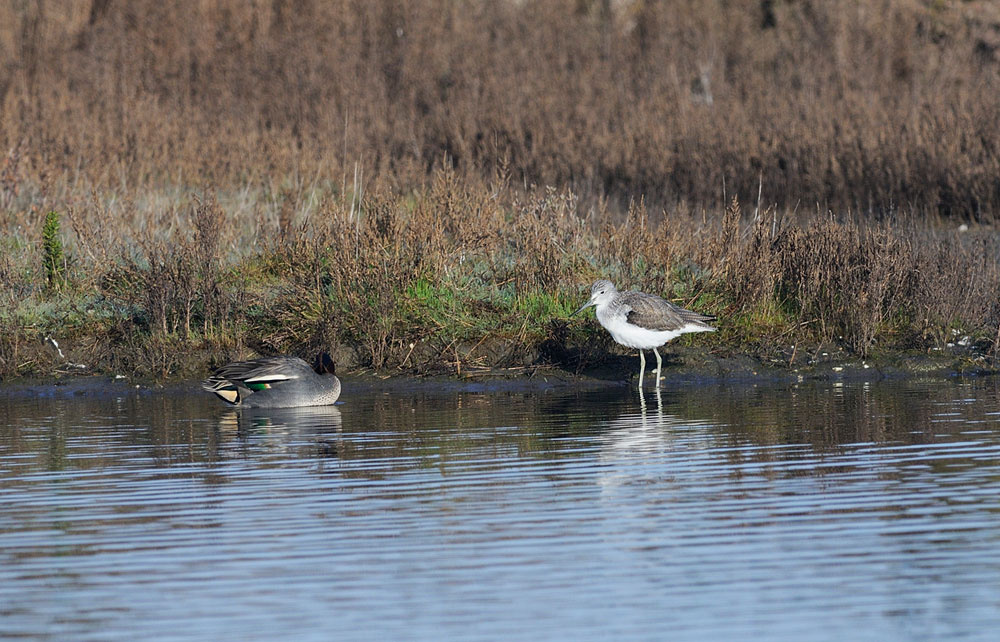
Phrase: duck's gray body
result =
(642, 321)
(273, 382)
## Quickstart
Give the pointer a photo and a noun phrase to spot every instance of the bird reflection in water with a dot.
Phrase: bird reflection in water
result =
(315, 429)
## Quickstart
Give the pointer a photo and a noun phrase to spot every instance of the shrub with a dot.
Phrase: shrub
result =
(53, 260)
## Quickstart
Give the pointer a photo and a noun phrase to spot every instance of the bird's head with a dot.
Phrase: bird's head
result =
(601, 292)
(323, 364)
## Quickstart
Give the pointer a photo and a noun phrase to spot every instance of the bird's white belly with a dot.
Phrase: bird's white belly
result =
(633, 336)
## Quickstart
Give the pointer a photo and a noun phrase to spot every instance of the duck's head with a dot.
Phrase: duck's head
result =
(323, 364)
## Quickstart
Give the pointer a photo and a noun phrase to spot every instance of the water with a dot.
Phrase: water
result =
(809, 512)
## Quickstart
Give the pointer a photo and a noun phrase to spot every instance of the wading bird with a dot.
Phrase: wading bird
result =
(642, 321)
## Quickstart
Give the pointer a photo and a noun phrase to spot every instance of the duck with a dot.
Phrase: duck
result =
(276, 382)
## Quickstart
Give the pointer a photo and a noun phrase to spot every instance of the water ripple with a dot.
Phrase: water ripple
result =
(803, 513)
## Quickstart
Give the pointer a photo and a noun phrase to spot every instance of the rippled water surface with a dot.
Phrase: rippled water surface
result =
(421, 511)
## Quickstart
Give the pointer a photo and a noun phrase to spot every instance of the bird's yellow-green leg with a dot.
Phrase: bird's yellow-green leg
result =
(642, 366)
(659, 364)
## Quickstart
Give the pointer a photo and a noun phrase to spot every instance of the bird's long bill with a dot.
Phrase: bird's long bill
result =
(583, 307)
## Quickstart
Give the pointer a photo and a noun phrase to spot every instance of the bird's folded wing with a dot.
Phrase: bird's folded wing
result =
(653, 313)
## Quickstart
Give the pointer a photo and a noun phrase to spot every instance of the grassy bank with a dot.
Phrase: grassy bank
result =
(461, 276)
(187, 184)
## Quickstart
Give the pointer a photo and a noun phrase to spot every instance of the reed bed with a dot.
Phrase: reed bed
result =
(482, 276)
(431, 186)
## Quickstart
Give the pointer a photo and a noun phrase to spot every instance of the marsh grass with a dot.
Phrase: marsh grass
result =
(376, 177)
(464, 275)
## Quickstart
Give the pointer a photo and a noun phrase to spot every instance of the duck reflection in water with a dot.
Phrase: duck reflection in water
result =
(315, 429)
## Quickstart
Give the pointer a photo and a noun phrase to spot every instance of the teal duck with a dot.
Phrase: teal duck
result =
(276, 382)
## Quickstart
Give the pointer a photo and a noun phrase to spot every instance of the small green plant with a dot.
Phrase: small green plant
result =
(52, 252)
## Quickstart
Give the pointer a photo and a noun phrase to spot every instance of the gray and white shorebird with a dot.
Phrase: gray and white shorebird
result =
(642, 321)
(276, 382)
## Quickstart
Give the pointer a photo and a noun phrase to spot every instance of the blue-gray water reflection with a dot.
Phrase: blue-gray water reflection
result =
(825, 511)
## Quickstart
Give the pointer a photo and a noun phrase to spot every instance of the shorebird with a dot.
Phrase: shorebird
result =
(642, 321)
(276, 382)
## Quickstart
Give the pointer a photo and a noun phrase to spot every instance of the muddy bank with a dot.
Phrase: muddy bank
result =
(682, 366)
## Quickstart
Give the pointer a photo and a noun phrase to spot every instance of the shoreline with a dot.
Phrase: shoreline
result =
(684, 366)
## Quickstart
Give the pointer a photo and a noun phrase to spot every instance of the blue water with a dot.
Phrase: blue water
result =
(861, 511)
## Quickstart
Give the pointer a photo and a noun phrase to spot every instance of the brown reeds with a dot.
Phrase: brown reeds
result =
(873, 107)
(430, 185)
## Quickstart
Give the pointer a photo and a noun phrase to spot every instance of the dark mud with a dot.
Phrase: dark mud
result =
(682, 367)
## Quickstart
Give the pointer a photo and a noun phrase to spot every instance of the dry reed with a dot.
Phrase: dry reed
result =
(372, 175)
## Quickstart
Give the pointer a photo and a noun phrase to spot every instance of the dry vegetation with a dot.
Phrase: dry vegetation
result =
(233, 177)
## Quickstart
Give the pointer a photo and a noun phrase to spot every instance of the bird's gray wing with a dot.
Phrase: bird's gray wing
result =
(654, 313)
